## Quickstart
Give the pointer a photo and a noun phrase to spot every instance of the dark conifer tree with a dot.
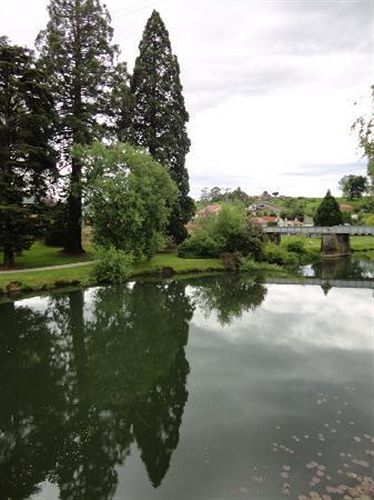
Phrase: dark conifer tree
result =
(328, 212)
(77, 53)
(159, 114)
(27, 158)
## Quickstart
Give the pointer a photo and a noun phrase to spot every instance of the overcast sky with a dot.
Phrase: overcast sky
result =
(270, 85)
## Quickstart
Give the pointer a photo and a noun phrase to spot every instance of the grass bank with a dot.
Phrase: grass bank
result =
(160, 265)
(40, 255)
(84, 276)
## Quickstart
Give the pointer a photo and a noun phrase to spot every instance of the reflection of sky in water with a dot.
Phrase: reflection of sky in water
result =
(279, 400)
(270, 396)
(301, 317)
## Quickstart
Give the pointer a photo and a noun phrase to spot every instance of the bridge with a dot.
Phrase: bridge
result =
(322, 282)
(315, 230)
(335, 239)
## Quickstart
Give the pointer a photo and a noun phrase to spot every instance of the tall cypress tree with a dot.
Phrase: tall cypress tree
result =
(27, 158)
(77, 53)
(328, 212)
(159, 114)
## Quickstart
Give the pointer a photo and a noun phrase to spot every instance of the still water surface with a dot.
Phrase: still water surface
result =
(212, 388)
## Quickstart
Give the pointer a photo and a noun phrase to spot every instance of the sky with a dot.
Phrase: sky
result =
(272, 87)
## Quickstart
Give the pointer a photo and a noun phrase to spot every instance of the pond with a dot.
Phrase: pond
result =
(216, 387)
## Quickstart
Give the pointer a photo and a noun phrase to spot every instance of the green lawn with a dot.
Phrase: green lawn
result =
(358, 243)
(40, 255)
(42, 280)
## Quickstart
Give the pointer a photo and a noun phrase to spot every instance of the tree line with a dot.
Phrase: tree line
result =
(74, 90)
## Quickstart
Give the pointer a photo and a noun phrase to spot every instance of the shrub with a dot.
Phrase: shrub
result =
(228, 232)
(277, 255)
(248, 264)
(248, 241)
(368, 220)
(113, 266)
(229, 221)
(201, 244)
(296, 246)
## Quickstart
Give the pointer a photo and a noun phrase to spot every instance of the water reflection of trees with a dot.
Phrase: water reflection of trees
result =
(80, 386)
(344, 268)
(229, 296)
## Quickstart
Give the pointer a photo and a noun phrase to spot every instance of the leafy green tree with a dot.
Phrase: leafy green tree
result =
(129, 196)
(226, 232)
(353, 186)
(216, 194)
(328, 212)
(159, 115)
(27, 159)
(77, 53)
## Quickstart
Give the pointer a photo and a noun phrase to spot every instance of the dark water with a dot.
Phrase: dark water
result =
(212, 388)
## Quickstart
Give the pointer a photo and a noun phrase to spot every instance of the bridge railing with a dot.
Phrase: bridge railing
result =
(317, 230)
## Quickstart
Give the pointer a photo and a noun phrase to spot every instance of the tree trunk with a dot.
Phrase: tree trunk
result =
(8, 261)
(74, 237)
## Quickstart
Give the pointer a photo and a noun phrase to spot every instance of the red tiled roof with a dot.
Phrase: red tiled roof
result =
(209, 210)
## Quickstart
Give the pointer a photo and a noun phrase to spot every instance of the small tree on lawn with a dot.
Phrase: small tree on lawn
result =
(328, 213)
(128, 197)
(26, 156)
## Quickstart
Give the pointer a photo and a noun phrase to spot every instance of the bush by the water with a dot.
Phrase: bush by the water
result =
(226, 232)
(113, 265)
(200, 245)
(296, 246)
(275, 254)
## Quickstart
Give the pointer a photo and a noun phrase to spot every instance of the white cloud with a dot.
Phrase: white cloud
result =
(270, 86)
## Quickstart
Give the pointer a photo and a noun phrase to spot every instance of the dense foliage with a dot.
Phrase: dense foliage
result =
(217, 194)
(27, 159)
(112, 265)
(159, 115)
(328, 213)
(128, 197)
(226, 232)
(77, 55)
(353, 186)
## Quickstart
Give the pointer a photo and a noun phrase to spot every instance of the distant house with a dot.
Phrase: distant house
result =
(346, 208)
(212, 209)
(264, 220)
(292, 223)
(206, 211)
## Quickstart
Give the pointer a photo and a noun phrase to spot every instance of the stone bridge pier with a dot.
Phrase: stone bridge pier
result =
(335, 245)
(334, 240)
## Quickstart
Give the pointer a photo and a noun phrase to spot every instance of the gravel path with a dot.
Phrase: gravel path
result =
(49, 268)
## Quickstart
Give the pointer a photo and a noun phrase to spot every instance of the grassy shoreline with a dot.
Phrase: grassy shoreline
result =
(161, 265)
